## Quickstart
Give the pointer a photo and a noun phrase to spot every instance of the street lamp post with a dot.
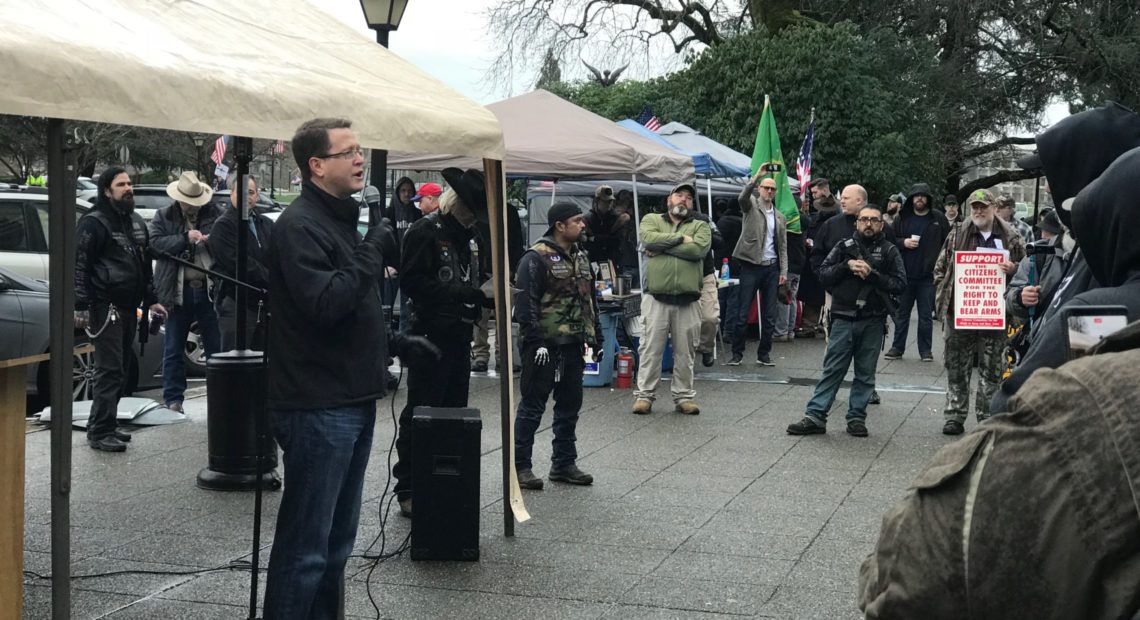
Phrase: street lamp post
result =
(198, 142)
(383, 16)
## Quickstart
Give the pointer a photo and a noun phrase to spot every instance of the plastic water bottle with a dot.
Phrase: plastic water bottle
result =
(724, 270)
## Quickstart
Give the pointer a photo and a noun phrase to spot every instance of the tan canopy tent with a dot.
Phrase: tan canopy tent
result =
(549, 137)
(258, 69)
(250, 69)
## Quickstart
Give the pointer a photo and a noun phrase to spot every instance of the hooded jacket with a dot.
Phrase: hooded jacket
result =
(1106, 211)
(1035, 514)
(402, 215)
(933, 236)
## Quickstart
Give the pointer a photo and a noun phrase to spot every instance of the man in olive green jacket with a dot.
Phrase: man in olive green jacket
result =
(675, 247)
(1035, 514)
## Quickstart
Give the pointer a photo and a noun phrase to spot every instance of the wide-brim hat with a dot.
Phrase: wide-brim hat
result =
(470, 187)
(190, 190)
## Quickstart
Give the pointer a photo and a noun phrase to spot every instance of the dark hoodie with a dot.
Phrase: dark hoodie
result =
(1074, 151)
(920, 261)
(402, 215)
(1105, 211)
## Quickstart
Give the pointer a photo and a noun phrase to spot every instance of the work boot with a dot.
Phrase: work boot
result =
(406, 508)
(927, 357)
(571, 474)
(708, 359)
(893, 354)
(528, 480)
(688, 407)
(806, 426)
(642, 406)
(857, 428)
(123, 437)
(953, 427)
(107, 444)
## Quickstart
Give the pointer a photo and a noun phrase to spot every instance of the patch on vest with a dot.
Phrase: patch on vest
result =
(445, 274)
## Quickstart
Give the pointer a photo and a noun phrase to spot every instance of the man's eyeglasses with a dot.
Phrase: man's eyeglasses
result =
(767, 189)
(870, 220)
(349, 154)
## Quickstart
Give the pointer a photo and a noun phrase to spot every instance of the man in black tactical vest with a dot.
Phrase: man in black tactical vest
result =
(861, 273)
(439, 273)
(558, 317)
(112, 277)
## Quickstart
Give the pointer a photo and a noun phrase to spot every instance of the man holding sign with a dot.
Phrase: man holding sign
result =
(973, 269)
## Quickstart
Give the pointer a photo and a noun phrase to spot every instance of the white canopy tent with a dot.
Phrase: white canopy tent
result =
(250, 69)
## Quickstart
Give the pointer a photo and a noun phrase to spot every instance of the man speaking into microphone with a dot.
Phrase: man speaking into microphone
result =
(327, 354)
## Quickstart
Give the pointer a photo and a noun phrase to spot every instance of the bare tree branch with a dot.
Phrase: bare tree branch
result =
(1001, 176)
(984, 149)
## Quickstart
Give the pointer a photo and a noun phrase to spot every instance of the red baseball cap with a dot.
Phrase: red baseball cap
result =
(427, 189)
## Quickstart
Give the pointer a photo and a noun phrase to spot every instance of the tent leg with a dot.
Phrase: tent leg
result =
(708, 184)
(496, 204)
(61, 275)
(637, 232)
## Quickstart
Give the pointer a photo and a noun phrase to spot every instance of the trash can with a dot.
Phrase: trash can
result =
(603, 373)
(235, 400)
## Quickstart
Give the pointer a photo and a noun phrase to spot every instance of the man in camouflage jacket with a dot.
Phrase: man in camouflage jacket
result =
(558, 318)
(966, 347)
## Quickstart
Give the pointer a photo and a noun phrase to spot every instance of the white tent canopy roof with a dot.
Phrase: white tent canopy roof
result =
(258, 69)
(549, 137)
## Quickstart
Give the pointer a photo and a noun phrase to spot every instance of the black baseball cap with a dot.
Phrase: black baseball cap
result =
(560, 212)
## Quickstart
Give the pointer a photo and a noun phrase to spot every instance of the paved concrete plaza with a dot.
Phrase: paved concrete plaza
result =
(716, 515)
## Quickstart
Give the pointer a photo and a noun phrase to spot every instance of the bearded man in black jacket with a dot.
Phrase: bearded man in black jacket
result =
(328, 350)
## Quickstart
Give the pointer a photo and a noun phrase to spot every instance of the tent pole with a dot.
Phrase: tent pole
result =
(496, 205)
(553, 193)
(61, 275)
(637, 232)
(708, 184)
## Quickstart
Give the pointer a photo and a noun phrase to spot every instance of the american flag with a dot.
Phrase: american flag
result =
(803, 162)
(219, 150)
(648, 119)
(279, 148)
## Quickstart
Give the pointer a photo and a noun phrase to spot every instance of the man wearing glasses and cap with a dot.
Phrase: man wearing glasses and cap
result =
(862, 273)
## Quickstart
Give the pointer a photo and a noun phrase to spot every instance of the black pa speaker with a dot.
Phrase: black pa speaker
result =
(445, 483)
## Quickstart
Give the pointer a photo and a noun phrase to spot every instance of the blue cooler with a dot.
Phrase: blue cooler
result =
(600, 374)
(666, 355)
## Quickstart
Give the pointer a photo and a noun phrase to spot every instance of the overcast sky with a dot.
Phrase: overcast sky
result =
(448, 39)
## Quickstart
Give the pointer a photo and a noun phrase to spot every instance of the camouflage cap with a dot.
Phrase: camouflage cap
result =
(984, 196)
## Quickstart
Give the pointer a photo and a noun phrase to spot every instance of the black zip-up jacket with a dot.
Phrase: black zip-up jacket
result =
(327, 341)
(441, 277)
(730, 225)
(223, 248)
(602, 242)
(852, 296)
(930, 243)
(111, 262)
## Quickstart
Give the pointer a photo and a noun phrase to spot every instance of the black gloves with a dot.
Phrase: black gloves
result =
(473, 296)
(417, 351)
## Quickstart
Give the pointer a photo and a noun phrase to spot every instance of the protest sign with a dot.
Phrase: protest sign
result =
(979, 290)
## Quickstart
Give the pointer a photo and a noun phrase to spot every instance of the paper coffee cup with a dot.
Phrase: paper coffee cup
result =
(915, 237)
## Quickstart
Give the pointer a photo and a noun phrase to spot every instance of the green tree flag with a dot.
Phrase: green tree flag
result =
(766, 153)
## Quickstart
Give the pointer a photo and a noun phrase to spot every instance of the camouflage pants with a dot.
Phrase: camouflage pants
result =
(966, 350)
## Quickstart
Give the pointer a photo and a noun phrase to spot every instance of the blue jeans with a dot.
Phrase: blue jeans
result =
(786, 315)
(729, 312)
(921, 291)
(537, 384)
(766, 280)
(196, 306)
(325, 454)
(860, 340)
